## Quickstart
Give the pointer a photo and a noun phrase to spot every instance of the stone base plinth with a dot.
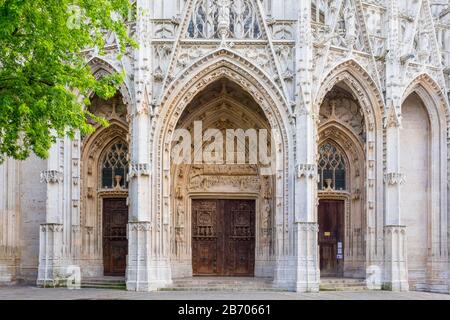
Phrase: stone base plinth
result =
(8, 271)
(52, 271)
(396, 265)
(300, 272)
(145, 271)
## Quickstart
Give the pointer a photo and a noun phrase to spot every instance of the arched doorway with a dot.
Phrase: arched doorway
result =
(219, 64)
(222, 199)
(104, 191)
(113, 201)
(333, 168)
(341, 169)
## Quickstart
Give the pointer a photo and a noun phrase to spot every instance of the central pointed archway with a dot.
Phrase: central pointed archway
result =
(269, 108)
(223, 207)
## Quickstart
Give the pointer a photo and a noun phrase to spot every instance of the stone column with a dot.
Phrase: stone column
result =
(301, 271)
(9, 220)
(51, 265)
(305, 225)
(396, 267)
(145, 272)
(395, 254)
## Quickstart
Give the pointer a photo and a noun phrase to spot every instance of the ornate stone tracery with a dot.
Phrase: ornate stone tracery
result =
(115, 165)
(332, 168)
(233, 18)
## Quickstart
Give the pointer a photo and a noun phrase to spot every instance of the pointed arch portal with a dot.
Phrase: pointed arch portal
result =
(224, 91)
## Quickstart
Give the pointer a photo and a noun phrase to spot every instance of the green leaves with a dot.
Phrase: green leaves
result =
(41, 68)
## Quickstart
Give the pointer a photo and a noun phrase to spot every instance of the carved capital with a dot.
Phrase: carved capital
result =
(306, 171)
(52, 227)
(51, 176)
(308, 226)
(140, 226)
(394, 178)
(139, 169)
(394, 229)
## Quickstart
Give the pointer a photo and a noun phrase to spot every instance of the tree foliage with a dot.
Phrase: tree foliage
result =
(43, 72)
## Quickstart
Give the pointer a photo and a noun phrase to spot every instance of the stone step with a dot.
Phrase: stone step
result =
(102, 286)
(344, 289)
(221, 284)
(349, 281)
(342, 284)
(104, 283)
(221, 289)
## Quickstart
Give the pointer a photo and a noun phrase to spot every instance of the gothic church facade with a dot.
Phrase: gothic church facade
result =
(354, 97)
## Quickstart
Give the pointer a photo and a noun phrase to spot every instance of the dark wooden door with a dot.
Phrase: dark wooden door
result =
(115, 244)
(223, 237)
(331, 237)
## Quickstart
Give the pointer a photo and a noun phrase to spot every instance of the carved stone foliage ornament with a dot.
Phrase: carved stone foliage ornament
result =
(52, 227)
(51, 176)
(394, 178)
(306, 171)
(139, 226)
(137, 169)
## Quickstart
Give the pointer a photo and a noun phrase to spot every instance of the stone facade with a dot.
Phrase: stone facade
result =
(358, 86)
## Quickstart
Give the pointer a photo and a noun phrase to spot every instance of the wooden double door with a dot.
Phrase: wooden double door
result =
(331, 237)
(115, 244)
(223, 237)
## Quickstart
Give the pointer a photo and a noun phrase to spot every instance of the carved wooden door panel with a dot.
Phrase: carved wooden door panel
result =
(331, 237)
(115, 244)
(204, 237)
(239, 220)
(223, 237)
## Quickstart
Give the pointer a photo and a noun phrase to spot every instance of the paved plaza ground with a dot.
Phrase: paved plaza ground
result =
(34, 293)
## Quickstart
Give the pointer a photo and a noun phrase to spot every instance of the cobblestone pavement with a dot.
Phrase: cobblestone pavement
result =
(33, 293)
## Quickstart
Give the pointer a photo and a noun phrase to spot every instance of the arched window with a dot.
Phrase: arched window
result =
(115, 166)
(332, 168)
(317, 12)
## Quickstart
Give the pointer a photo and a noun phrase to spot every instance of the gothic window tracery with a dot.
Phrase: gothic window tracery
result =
(238, 16)
(332, 168)
(114, 166)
